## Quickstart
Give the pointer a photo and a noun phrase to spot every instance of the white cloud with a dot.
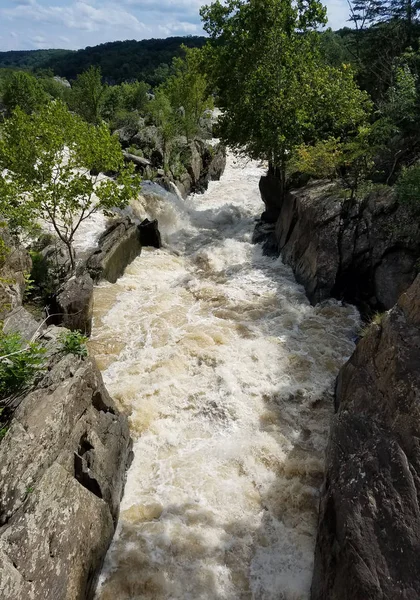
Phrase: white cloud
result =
(78, 15)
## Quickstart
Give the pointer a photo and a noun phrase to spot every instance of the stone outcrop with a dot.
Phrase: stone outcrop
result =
(62, 464)
(369, 525)
(117, 247)
(150, 234)
(16, 264)
(19, 320)
(203, 163)
(363, 252)
(74, 304)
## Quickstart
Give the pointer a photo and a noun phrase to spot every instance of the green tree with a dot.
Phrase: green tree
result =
(23, 90)
(49, 157)
(187, 90)
(274, 87)
(112, 102)
(135, 96)
(88, 94)
(164, 117)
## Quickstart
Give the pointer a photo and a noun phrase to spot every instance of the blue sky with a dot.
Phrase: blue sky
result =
(31, 24)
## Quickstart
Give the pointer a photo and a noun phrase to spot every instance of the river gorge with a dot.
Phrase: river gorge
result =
(227, 374)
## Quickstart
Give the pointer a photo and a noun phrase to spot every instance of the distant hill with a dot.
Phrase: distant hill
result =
(30, 59)
(119, 61)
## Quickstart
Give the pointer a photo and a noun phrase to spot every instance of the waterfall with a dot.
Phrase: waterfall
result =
(227, 373)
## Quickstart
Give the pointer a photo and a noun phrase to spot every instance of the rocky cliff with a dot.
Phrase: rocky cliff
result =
(364, 252)
(62, 464)
(369, 525)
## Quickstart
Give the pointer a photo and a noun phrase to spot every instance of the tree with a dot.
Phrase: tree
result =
(88, 95)
(135, 95)
(49, 157)
(274, 88)
(163, 116)
(23, 90)
(187, 91)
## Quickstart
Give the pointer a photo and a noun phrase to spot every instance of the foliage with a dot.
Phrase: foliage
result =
(23, 90)
(274, 87)
(19, 363)
(408, 187)
(74, 342)
(321, 160)
(163, 115)
(88, 95)
(135, 96)
(125, 119)
(145, 60)
(49, 157)
(187, 91)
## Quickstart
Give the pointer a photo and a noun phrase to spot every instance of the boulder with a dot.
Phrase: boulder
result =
(21, 321)
(369, 522)
(117, 247)
(150, 234)
(203, 163)
(74, 303)
(62, 463)
(364, 252)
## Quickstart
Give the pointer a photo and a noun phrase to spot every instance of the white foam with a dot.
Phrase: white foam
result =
(227, 373)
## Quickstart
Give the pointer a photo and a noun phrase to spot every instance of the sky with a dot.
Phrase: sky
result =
(73, 24)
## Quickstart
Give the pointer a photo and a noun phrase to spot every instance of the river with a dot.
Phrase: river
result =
(227, 373)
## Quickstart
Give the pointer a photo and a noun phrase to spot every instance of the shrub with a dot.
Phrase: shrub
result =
(74, 342)
(19, 363)
(408, 187)
(321, 160)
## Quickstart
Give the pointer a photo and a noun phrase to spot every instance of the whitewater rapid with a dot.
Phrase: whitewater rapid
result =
(226, 372)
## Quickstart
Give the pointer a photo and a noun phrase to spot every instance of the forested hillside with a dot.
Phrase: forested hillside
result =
(146, 60)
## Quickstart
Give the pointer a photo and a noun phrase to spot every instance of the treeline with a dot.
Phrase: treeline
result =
(146, 60)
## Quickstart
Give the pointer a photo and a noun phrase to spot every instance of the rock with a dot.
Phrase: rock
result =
(363, 252)
(63, 462)
(22, 322)
(51, 266)
(16, 266)
(117, 247)
(203, 163)
(75, 303)
(150, 234)
(143, 163)
(149, 140)
(369, 524)
(264, 233)
(270, 193)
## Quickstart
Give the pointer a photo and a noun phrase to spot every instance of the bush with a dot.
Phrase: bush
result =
(74, 342)
(19, 363)
(124, 119)
(408, 187)
(321, 160)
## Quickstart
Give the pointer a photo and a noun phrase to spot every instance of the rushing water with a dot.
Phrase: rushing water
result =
(226, 372)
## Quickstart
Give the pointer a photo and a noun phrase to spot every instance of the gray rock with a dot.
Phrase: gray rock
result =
(363, 252)
(16, 266)
(117, 247)
(369, 524)
(75, 303)
(63, 463)
(22, 322)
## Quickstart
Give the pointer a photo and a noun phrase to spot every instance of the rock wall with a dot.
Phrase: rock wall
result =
(369, 525)
(62, 465)
(365, 253)
(16, 265)
(117, 247)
